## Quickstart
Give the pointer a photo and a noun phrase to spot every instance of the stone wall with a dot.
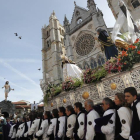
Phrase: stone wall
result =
(7, 106)
(108, 86)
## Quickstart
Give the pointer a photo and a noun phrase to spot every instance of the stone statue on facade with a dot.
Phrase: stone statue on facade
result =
(70, 69)
(7, 89)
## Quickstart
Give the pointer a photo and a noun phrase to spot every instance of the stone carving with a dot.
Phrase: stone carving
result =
(73, 38)
(107, 86)
(90, 26)
(85, 44)
(7, 106)
(100, 90)
(135, 75)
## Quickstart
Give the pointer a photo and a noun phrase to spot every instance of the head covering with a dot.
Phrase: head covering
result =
(102, 34)
(104, 37)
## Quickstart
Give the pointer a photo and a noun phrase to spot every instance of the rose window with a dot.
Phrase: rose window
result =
(85, 44)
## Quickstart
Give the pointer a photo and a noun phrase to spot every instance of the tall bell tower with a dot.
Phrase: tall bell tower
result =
(52, 36)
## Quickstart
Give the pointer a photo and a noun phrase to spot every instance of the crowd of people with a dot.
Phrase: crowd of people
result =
(117, 119)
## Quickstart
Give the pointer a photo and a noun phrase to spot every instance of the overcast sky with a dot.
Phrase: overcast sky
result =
(20, 59)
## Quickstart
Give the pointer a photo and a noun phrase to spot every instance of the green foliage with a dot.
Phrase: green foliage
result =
(52, 90)
(77, 83)
(57, 89)
(46, 97)
(100, 73)
(94, 75)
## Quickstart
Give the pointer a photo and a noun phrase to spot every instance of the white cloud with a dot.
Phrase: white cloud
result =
(19, 73)
(11, 83)
(21, 60)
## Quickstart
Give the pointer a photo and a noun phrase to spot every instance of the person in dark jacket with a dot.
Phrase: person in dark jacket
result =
(132, 99)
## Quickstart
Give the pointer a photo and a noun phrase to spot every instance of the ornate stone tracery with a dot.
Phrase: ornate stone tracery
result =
(113, 83)
(85, 44)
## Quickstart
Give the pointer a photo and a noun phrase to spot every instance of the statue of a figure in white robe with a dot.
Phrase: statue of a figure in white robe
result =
(7, 89)
(70, 69)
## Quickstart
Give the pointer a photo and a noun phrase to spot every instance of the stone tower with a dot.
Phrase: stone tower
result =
(52, 42)
(80, 44)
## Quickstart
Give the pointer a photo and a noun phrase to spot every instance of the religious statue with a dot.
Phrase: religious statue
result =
(124, 17)
(70, 69)
(7, 89)
(106, 44)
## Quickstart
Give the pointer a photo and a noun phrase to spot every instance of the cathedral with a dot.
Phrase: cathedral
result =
(77, 38)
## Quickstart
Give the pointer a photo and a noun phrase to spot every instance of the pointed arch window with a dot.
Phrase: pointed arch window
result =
(48, 44)
(93, 64)
(77, 13)
(86, 65)
(100, 61)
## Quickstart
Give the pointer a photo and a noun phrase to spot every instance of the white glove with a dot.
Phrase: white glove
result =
(93, 124)
(130, 138)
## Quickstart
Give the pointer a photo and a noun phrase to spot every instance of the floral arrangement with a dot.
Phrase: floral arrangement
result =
(77, 83)
(88, 76)
(68, 84)
(52, 90)
(113, 65)
(57, 90)
(94, 75)
(100, 73)
(131, 56)
(124, 61)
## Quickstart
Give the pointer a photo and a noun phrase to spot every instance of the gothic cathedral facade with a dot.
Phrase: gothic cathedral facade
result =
(77, 37)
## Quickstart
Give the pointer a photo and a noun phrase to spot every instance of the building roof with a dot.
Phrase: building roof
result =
(19, 103)
(41, 105)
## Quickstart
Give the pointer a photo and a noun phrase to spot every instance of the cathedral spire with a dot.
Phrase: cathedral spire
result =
(75, 3)
(66, 24)
(90, 3)
(53, 16)
(66, 21)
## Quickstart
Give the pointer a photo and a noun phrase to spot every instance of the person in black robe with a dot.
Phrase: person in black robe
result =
(106, 44)
(123, 118)
(6, 130)
(131, 97)
(52, 126)
(70, 122)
